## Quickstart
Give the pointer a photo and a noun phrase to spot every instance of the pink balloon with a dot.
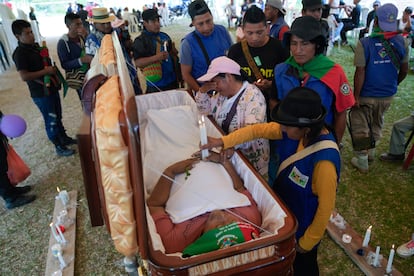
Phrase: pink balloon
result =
(12, 125)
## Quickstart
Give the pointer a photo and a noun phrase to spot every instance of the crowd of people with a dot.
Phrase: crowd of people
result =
(275, 93)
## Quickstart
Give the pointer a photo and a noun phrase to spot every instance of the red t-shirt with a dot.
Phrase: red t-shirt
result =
(176, 237)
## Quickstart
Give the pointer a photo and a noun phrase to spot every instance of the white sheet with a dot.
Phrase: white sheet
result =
(207, 188)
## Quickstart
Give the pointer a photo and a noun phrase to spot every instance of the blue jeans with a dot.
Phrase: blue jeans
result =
(51, 110)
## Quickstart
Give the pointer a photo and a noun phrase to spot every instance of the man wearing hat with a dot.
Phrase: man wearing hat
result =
(199, 47)
(153, 46)
(381, 62)
(101, 19)
(314, 8)
(247, 101)
(310, 173)
(308, 67)
(370, 17)
(275, 13)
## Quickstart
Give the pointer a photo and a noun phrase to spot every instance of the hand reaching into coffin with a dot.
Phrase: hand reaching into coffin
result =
(212, 142)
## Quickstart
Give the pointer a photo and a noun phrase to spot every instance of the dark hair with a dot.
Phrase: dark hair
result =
(237, 77)
(70, 17)
(320, 43)
(254, 15)
(18, 26)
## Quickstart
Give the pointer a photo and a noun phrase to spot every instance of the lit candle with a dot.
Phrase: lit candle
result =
(60, 234)
(57, 252)
(390, 259)
(203, 136)
(367, 237)
(376, 259)
(63, 196)
(55, 235)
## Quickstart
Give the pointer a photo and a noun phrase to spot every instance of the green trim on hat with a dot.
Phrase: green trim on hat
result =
(101, 16)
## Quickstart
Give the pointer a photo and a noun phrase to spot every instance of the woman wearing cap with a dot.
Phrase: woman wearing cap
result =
(308, 67)
(307, 180)
(237, 104)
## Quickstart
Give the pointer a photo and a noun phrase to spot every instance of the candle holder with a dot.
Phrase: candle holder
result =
(57, 252)
(370, 258)
(63, 196)
(64, 219)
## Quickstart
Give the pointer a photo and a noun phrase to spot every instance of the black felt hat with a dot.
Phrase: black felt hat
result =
(197, 7)
(150, 14)
(312, 4)
(302, 107)
(304, 27)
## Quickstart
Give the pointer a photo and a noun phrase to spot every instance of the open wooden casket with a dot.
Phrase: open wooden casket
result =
(118, 172)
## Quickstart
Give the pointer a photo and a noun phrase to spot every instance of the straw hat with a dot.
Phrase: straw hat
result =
(101, 15)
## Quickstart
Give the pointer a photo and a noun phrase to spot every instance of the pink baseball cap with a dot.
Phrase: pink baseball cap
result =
(221, 65)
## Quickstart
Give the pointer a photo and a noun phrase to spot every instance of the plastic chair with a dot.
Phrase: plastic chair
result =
(133, 25)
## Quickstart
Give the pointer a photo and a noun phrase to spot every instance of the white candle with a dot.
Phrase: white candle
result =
(55, 235)
(367, 237)
(166, 48)
(390, 259)
(63, 196)
(203, 136)
(57, 252)
(60, 234)
(376, 259)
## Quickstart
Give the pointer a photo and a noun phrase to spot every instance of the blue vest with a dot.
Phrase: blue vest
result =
(275, 29)
(217, 44)
(294, 184)
(286, 81)
(381, 76)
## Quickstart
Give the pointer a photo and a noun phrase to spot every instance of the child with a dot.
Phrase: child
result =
(29, 64)
(13, 196)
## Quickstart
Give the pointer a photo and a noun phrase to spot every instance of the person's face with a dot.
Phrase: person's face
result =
(27, 36)
(302, 51)
(270, 12)
(314, 12)
(217, 219)
(153, 25)
(75, 27)
(222, 85)
(406, 15)
(255, 34)
(105, 28)
(204, 23)
(294, 133)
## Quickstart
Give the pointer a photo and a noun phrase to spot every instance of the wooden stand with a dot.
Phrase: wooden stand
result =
(356, 243)
(68, 250)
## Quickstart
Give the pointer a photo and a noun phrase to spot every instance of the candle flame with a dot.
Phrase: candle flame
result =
(51, 224)
(370, 227)
(57, 188)
(202, 119)
(392, 246)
